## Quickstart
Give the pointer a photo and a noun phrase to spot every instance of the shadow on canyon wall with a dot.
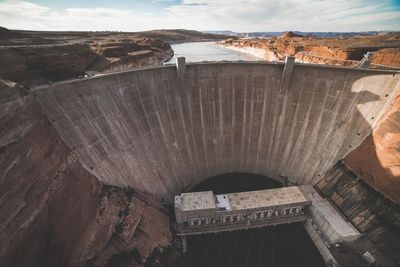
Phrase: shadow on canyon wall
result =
(377, 159)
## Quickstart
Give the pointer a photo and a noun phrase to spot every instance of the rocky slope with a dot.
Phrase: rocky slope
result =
(377, 159)
(7, 34)
(39, 65)
(128, 54)
(183, 36)
(56, 213)
(331, 51)
(35, 58)
(375, 216)
(387, 56)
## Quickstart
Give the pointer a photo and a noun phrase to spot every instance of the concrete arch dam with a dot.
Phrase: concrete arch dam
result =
(164, 129)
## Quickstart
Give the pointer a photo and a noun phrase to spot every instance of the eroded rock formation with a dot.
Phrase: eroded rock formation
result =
(31, 65)
(374, 215)
(330, 51)
(54, 212)
(128, 54)
(387, 56)
(36, 58)
(377, 159)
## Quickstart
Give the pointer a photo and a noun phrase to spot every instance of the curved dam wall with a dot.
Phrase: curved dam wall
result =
(161, 132)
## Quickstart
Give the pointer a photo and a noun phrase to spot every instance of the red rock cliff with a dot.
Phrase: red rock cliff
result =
(377, 159)
(331, 51)
(55, 213)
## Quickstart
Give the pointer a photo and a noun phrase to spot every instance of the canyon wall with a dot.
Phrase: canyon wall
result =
(377, 159)
(387, 57)
(55, 213)
(330, 51)
(373, 214)
(159, 133)
(128, 54)
(32, 65)
(43, 64)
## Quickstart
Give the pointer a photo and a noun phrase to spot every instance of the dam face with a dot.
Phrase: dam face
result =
(162, 131)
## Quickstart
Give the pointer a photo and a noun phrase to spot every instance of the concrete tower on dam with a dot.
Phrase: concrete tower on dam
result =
(162, 130)
(89, 168)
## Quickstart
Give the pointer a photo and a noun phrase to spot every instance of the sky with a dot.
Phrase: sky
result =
(204, 15)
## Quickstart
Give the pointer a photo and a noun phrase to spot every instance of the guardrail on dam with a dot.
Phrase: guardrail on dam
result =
(161, 130)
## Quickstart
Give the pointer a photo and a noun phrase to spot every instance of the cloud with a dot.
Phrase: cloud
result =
(305, 15)
(162, 1)
(26, 15)
(237, 15)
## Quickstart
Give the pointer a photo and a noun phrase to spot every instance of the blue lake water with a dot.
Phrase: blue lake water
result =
(208, 51)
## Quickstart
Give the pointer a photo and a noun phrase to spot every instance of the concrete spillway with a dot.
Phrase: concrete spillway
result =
(159, 130)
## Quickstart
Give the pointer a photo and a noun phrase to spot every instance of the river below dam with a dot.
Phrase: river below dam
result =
(208, 51)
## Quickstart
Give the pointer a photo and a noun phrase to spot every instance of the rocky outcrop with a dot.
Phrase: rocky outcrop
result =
(387, 57)
(290, 34)
(377, 159)
(182, 36)
(32, 65)
(305, 57)
(56, 213)
(7, 34)
(37, 58)
(331, 51)
(373, 214)
(42, 64)
(129, 54)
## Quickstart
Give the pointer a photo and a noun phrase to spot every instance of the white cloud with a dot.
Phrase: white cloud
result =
(25, 15)
(237, 15)
(162, 1)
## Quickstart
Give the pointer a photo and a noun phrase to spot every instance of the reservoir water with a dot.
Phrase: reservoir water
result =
(208, 51)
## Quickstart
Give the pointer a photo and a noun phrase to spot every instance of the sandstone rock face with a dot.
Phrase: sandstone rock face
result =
(36, 65)
(331, 51)
(181, 36)
(387, 56)
(37, 58)
(31, 65)
(6, 34)
(129, 54)
(316, 59)
(374, 215)
(53, 212)
(290, 34)
(377, 159)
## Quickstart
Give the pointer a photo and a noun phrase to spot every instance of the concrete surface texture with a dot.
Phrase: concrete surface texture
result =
(158, 133)
(324, 215)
